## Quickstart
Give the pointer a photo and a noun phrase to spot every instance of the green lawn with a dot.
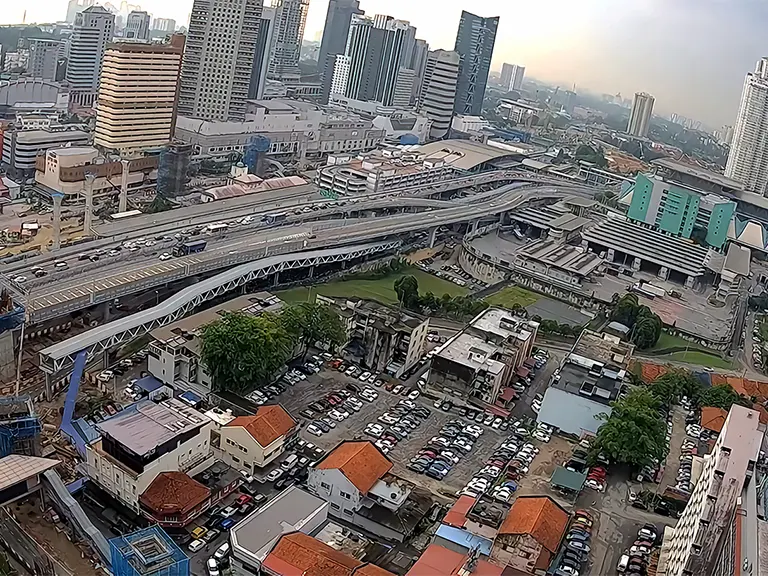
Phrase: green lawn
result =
(511, 295)
(697, 358)
(382, 290)
(669, 341)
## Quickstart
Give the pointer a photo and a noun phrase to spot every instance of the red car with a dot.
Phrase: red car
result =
(333, 400)
(243, 499)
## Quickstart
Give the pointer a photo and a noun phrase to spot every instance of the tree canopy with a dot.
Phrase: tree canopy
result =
(645, 325)
(634, 433)
(310, 322)
(670, 387)
(723, 396)
(241, 351)
(407, 290)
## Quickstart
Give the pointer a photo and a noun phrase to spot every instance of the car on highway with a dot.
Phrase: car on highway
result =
(20, 279)
(60, 264)
(165, 256)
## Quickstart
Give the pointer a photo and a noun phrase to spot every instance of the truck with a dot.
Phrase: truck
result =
(275, 218)
(641, 289)
(653, 289)
(190, 247)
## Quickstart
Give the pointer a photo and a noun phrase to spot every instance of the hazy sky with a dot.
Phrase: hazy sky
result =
(690, 54)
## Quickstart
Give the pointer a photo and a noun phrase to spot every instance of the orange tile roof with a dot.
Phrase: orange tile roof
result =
(371, 570)
(713, 418)
(439, 561)
(174, 492)
(360, 462)
(539, 516)
(718, 379)
(457, 515)
(297, 554)
(269, 423)
(650, 372)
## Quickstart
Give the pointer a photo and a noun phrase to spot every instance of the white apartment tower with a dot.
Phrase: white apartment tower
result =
(707, 521)
(218, 59)
(512, 76)
(290, 20)
(640, 115)
(748, 160)
(136, 108)
(93, 30)
(137, 26)
(438, 90)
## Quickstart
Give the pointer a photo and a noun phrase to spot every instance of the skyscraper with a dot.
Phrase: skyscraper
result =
(137, 95)
(94, 28)
(290, 20)
(438, 90)
(474, 43)
(397, 49)
(640, 115)
(44, 58)
(336, 29)
(748, 159)
(418, 64)
(512, 76)
(261, 54)
(137, 26)
(218, 59)
(76, 6)
(167, 25)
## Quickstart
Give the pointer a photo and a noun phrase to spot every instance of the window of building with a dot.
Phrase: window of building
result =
(335, 506)
(236, 459)
(345, 495)
(347, 512)
(325, 486)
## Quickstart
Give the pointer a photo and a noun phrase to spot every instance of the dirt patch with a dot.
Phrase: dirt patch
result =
(55, 540)
(552, 455)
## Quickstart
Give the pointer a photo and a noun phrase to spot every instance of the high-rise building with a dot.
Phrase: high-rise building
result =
(167, 25)
(512, 76)
(640, 115)
(377, 49)
(336, 29)
(474, 43)
(418, 64)
(261, 54)
(341, 65)
(137, 26)
(218, 59)
(706, 538)
(748, 159)
(290, 20)
(44, 55)
(438, 90)
(403, 88)
(93, 30)
(76, 6)
(136, 108)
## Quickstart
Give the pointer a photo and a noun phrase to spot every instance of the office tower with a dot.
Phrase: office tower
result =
(364, 54)
(707, 538)
(640, 115)
(512, 76)
(76, 6)
(340, 80)
(403, 88)
(167, 25)
(336, 29)
(418, 64)
(93, 30)
(218, 59)
(43, 58)
(137, 26)
(396, 52)
(136, 107)
(261, 53)
(474, 43)
(290, 19)
(748, 159)
(438, 90)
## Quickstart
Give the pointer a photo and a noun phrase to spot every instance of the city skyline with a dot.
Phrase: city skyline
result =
(594, 45)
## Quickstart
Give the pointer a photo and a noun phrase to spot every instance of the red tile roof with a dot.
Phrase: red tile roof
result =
(439, 561)
(539, 516)
(360, 462)
(297, 554)
(371, 570)
(457, 515)
(174, 492)
(269, 423)
(713, 418)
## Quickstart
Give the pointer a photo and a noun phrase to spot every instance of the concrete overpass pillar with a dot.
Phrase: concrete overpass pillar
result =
(663, 273)
(105, 312)
(610, 255)
(432, 237)
(48, 387)
(312, 271)
(276, 279)
(123, 203)
(689, 281)
(636, 263)
(57, 198)
(105, 359)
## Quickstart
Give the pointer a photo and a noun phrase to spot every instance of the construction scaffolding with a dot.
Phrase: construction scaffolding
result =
(19, 427)
(148, 552)
(255, 153)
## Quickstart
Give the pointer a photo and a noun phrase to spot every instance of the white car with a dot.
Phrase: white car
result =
(20, 279)
(336, 415)
(542, 436)
(213, 567)
(106, 376)
(351, 370)
(113, 253)
(274, 475)
(413, 395)
(474, 429)
(312, 429)
(165, 256)
(496, 423)
(364, 376)
(60, 264)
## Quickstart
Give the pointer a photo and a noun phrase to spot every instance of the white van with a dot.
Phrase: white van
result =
(222, 552)
(289, 462)
(623, 562)
(195, 545)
